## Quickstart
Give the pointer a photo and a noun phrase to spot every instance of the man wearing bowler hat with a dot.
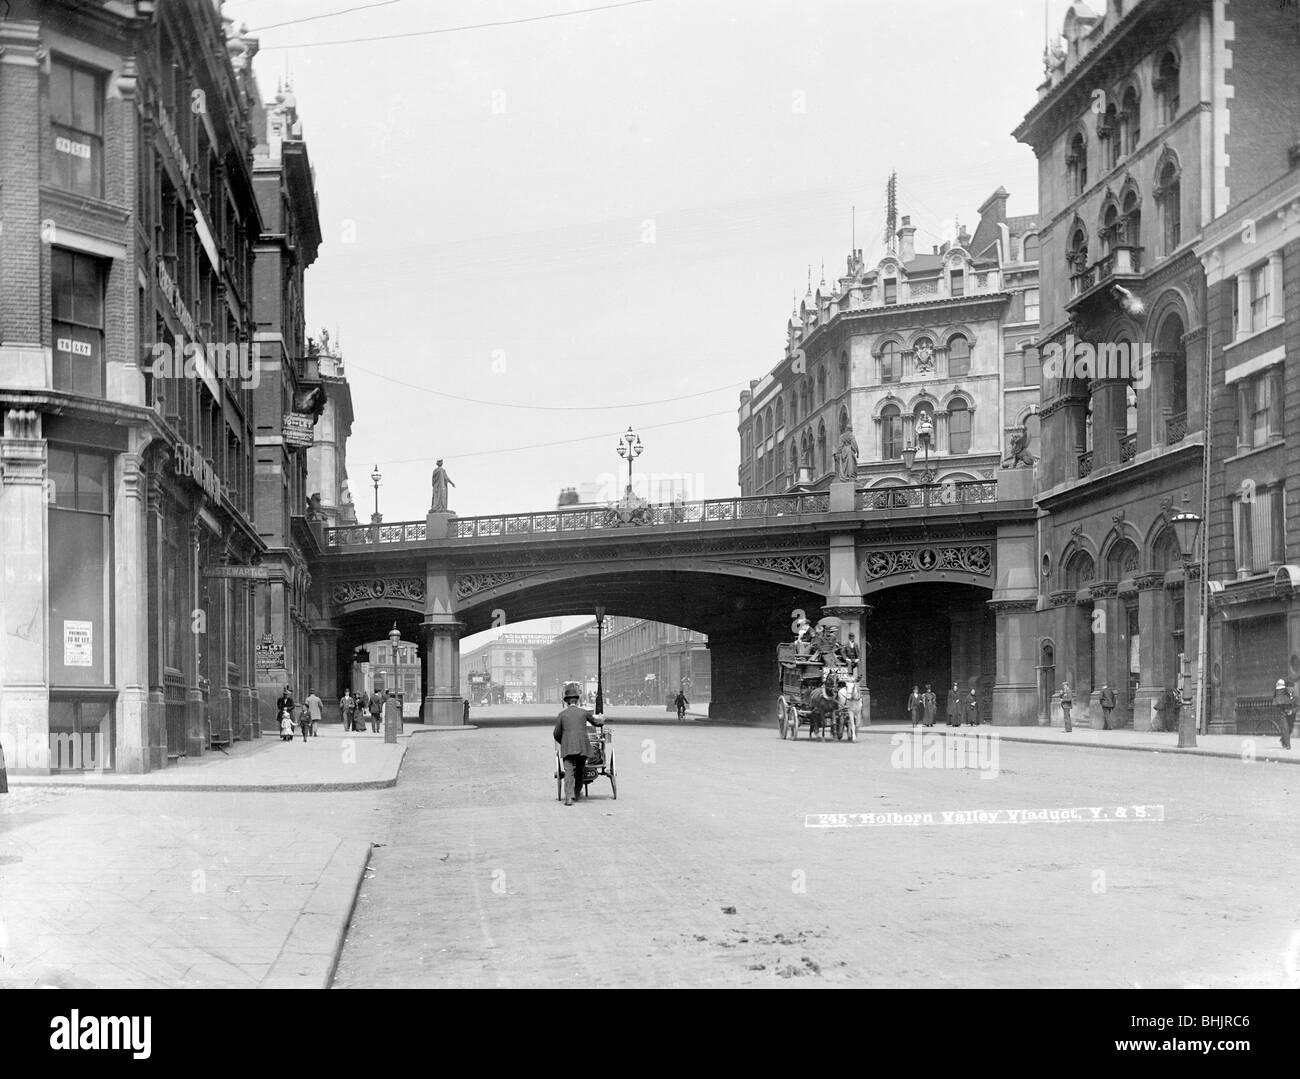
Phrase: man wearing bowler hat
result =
(575, 747)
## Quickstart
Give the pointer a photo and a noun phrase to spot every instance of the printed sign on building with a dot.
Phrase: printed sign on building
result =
(78, 644)
(298, 429)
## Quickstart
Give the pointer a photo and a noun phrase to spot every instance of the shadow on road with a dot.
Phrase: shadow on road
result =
(538, 715)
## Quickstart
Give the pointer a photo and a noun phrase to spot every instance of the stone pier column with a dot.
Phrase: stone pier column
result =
(443, 704)
(130, 602)
(1014, 604)
(324, 675)
(1111, 663)
(24, 538)
(1155, 650)
(746, 684)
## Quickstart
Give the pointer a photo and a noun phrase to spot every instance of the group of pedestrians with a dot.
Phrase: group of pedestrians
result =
(355, 708)
(961, 708)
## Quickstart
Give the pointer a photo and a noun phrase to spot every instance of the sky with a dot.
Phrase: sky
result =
(539, 234)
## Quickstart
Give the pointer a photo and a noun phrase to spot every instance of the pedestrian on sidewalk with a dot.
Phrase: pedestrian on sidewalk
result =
(1067, 702)
(915, 706)
(973, 708)
(929, 704)
(376, 710)
(286, 725)
(347, 709)
(314, 704)
(285, 702)
(1107, 700)
(1284, 702)
(575, 747)
(955, 708)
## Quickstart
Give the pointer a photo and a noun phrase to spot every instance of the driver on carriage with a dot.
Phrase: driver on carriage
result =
(575, 747)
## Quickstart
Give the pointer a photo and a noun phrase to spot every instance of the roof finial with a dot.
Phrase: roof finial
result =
(823, 284)
(809, 293)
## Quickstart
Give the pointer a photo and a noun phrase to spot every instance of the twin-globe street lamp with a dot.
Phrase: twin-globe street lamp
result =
(1187, 526)
(375, 477)
(630, 448)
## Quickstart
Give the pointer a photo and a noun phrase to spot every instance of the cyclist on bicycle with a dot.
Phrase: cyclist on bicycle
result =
(681, 702)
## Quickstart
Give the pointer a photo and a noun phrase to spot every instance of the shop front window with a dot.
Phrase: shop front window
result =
(81, 735)
(81, 560)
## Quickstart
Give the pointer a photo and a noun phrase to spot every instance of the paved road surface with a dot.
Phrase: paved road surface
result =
(486, 880)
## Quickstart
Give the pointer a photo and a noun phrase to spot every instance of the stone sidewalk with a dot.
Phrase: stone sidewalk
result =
(1243, 747)
(332, 761)
(185, 877)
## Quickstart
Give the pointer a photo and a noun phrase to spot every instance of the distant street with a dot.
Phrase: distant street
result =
(704, 873)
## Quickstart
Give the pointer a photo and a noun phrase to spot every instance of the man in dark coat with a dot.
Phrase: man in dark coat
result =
(1107, 702)
(929, 702)
(851, 655)
(973, 708)
(575, 747)
(914, 705)
(955, 707)
(1067, 702)
(1284, 702)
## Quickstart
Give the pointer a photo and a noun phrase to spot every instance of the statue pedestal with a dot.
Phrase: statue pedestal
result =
(441, 524)
(843, 497)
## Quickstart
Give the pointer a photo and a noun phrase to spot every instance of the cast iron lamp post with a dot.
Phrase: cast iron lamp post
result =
(630, 448)
(924, 435)
(375, 477)
(390, 728)
(1186, 526)
(600, 633)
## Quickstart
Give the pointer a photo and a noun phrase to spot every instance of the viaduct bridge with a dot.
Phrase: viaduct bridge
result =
(937, 580)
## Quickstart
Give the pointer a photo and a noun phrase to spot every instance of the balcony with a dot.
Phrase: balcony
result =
(1128, 445)
(1175, 428)
(1085, 464)
(1122, 263)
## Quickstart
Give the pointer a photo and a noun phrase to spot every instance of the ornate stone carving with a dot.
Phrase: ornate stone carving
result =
(808, 567)
(1013, 604)
(972, 558)
(1062, 598)
(391, 588)
(1104, 589)
(1147, 581)
(470, 584)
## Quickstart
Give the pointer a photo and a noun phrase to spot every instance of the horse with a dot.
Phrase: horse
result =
(849, 698)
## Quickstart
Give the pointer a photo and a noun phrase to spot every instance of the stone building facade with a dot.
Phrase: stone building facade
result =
(1156, 119)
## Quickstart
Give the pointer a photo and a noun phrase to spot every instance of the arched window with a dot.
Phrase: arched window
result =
(1121, 560)
(891, 433)
(806, 394)
(821, 449)
(1166, 86)
(1130, 121)
(958, 355)
(821, 385)
(844, 420)
(1109, 228)
(1030, 253)
(758, 434)
(1165, 553)
(1077, 253)
(844, 372)
(1076, 162)
(1130, 408)
(959, 423)
(794, 408)
(1108, 131)
(889, 365)
(767, 469)
(1079, 570)
(1169, 195)
(780, 413)
(794, 462)
(767, 422)
(1132, 219)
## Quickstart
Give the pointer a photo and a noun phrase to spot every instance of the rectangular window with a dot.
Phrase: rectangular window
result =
(959, 430)
(81, 565)
(1259, 290)
(1033, 367)
(957, 281)
(891, 291)
(76, 129)
(77, 330)
(1031, 305)
(1259, 531)
(1259, 409)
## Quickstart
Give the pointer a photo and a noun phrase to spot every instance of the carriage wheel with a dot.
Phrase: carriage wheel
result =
(792, 723)
(781, 710)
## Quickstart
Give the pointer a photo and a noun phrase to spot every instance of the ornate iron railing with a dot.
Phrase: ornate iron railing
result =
(602, 518)
(1176, 428)
(1085, 464)
(1128, 445)
(398, 532)
(930, 494)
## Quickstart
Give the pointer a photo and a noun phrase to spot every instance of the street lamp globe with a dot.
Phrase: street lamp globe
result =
(1186, 525)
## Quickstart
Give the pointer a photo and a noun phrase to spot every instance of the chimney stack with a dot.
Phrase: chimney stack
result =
(906, 243)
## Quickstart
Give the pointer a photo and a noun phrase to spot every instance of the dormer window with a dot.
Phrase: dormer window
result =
(891, 290)
(957, 282)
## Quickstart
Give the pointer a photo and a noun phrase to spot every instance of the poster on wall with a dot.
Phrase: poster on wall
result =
(78, 644)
